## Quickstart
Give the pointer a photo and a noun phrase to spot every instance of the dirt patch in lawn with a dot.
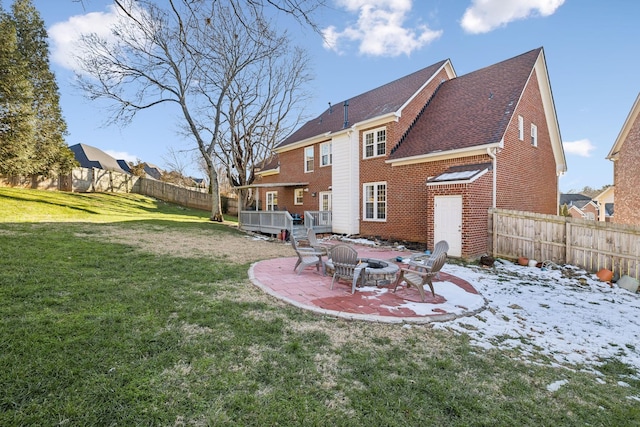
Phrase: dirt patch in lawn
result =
(233, 247)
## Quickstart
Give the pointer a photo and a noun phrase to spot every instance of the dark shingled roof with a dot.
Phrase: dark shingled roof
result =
(470, 110)
(377, 102)
(92, 157)
(571, 198)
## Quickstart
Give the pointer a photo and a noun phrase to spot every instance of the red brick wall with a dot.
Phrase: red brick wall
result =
(526, 179)
(292, 170)
(526, 175)
(626, 178)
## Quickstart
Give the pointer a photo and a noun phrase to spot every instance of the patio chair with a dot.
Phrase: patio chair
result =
(346, 265)
(314, 243)
(425, 262)
(306, 258)
(419, 277)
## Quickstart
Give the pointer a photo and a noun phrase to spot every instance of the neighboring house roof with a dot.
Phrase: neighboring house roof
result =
(92, 157)
(580, 204)
(386, 99)
(152, 170)
(608, 209)
(624, 132)
(124, 165)
(570, 199)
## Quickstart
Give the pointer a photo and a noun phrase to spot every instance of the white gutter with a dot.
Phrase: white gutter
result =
(491, 152)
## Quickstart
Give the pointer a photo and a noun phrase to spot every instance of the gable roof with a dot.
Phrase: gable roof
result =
(572, 198)
(624, 132)
(92, 157)
(386, 99)
(471, 110)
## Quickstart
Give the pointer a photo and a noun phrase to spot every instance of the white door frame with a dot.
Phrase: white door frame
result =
(447, 222)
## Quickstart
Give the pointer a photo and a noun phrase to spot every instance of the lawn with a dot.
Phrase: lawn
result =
(124, 310)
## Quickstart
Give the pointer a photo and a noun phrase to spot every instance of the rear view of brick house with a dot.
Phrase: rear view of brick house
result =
(423, 158)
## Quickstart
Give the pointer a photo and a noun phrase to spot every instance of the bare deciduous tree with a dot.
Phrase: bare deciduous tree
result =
(201, 56)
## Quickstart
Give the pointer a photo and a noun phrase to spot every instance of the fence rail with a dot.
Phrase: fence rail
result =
(589, 244)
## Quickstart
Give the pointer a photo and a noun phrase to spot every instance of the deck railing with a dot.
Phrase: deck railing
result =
(273, 222)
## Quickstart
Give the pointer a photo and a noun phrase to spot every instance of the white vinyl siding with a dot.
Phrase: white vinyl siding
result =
(345, 178)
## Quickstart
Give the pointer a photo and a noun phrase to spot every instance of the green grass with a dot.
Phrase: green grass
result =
(101, 332)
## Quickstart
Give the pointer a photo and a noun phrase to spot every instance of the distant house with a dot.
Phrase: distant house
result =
(625, 155)
(605, 200)
(92, 157)
(423, 158)
(153, 171)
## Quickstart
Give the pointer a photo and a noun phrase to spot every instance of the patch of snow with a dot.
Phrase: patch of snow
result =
(555, 386)
(561, 312)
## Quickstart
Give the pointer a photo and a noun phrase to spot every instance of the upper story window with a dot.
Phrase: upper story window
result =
(325, 154)
(308, 159)
(520, 128)
(375, 201)
(375, 143)
(298, 195)
(534, 135)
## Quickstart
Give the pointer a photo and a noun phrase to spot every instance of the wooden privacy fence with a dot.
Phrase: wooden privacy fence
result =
(589, 244)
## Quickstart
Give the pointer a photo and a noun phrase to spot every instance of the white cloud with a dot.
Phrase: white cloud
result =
(122, 155)
(65, 36)
(486, 15)
(582, 147)
(380, 29)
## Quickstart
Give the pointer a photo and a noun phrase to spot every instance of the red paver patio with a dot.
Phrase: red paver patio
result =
(311, 291)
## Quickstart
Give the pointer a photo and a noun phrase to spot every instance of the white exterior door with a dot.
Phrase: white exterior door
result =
(325, 206)
(447, 222)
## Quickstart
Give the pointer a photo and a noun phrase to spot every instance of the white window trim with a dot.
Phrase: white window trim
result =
(374, 132)
(270, 198)
(307, 158)
(323, 155)
(298, 196)
(534, 135)
(520, 128)
(376, 186)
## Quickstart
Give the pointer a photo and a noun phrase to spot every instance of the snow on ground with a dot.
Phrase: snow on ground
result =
(562, 312)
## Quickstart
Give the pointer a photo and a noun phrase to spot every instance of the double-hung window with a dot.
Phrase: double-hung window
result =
(375, 201)
(534, 135)
(325, 154)
(375, 143)
(308, 159)
(298, 196)
(520, 128)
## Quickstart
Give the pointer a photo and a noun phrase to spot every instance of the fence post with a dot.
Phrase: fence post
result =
(567, 243)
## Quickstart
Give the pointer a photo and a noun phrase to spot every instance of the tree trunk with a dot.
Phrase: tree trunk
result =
(216, 209)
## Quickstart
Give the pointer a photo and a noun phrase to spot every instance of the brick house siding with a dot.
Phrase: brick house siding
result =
(526, 176)
(626, 177)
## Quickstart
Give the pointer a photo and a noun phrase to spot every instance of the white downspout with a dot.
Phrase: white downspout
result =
(492, 153)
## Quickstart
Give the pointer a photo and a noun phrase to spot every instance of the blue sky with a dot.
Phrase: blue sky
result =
(590, 46)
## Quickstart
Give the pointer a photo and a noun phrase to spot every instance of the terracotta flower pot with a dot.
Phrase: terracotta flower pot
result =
(604, 275)
(524, 261)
